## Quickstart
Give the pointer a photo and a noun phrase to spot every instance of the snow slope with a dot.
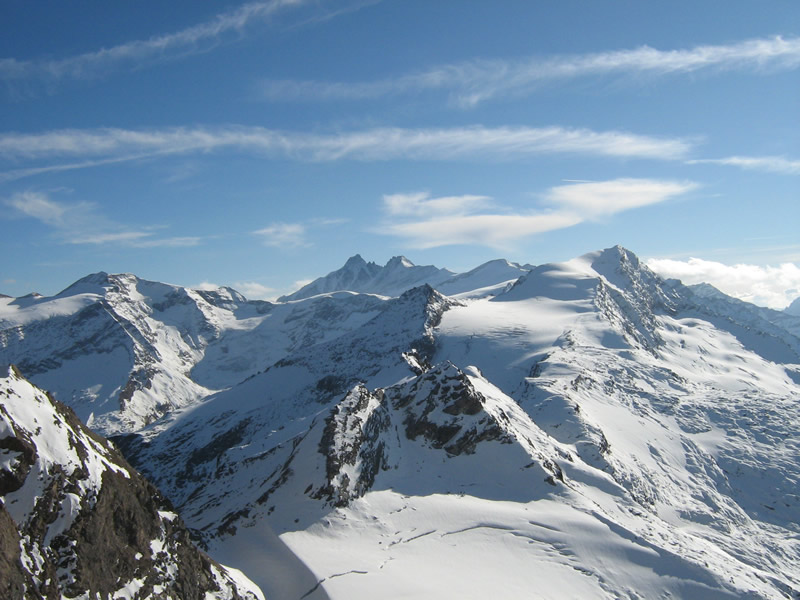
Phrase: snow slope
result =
(484, 280)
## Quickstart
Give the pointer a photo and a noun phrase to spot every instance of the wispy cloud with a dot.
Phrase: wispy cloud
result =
(770, 286)
(283, 235)
(82, 223)
(432, 222)
(597, 199)
(771, 164)
(294, 235)
(40, 207)
(197, 38)
(97, 147)
(495, 231)
(420, 204)
(472, 82)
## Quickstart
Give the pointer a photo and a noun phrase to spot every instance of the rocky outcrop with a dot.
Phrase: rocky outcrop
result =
(78, 521)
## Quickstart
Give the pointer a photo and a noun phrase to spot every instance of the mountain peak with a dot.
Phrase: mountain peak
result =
(399, 261)
(355, 261)
(398, 275)
(96, 283)
(614, 255)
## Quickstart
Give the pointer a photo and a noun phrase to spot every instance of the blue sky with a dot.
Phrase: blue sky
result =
(261, 144)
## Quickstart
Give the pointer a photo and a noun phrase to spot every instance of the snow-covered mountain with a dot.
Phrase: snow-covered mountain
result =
(357, 275)
(163, 347)
(78, 522)
(159, 346)
(581, 429)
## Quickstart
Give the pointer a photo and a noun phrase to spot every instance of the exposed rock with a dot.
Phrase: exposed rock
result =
(78, 521)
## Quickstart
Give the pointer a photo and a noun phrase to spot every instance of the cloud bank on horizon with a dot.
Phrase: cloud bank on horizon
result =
(771, 286)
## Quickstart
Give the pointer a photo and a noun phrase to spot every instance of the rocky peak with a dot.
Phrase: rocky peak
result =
(355, 261)
(399, 262)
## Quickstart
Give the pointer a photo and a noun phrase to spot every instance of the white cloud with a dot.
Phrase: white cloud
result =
(253, 290)
(283, 235)
(197, 38)
(294, 235)
(90, 237)
(473, 82)
(81, 223)
(604, 198)
(774, 287)
(426, 222)
(171, 242)
(492, 230)
(421, 204)
(38, 206)
(771, 164)
(300, 283)
(95, 147)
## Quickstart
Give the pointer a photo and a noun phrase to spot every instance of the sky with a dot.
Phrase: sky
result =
(259, 145)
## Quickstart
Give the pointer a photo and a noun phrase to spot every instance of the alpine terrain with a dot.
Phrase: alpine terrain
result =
(584, 429)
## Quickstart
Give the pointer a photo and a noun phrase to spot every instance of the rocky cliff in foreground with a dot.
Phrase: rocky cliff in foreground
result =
(76, 521)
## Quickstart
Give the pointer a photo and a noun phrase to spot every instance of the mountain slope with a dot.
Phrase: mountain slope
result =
(676, 441)
(487, 279)
(794, 308)
(77, 521)
(275, 405)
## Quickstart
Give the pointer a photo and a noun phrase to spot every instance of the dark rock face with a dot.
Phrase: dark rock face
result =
(443, 407)
(11, 479)
(77, 520)
(352, 436)
(13, 579)
(440, 409)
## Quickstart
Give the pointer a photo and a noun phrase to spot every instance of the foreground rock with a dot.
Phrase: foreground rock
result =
(76, 521)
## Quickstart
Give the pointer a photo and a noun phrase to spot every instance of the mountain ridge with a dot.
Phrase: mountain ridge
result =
(357, 275)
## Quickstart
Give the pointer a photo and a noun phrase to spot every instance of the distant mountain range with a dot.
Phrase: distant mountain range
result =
(580, 429)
